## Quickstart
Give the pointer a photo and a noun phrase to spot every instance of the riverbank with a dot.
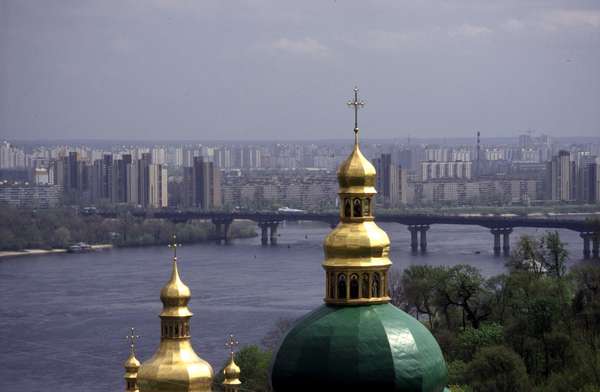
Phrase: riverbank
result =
(37, 252)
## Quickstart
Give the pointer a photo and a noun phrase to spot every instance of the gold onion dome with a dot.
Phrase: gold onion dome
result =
(175, 366)
(132, 363)
(356, 174)
(232, 373)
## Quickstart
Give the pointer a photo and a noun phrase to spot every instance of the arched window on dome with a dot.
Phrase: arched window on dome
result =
(357, 208)
(341, 286)
(347, 208)
(170, 331)
(365, 286)
(354, 286)
(367, 207)
(331, 285)
(375, 284)
(176, 330)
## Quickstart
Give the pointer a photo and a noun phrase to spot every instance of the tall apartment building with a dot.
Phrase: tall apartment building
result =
(561, 171)
(202, 185)
(391, 181)
(158, 196)
(588, 180)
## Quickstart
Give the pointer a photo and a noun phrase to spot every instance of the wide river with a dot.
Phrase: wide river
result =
(64, 318)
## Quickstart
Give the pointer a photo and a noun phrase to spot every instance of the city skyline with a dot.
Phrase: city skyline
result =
(265, 70)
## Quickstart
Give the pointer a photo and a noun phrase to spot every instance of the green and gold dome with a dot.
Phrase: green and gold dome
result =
(357, 340)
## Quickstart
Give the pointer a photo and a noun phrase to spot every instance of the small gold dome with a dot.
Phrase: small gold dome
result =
(356, 174)
(131, 364)
(232, 373)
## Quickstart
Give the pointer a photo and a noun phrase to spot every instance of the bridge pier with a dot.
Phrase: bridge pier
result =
(423, 242)
(596, 245)
(587, 238)
(414, 238)
(264, 233)
(418, 237)
(222, 229)
(506, 241)
(501, 244)
(273, 233)
(268, 232)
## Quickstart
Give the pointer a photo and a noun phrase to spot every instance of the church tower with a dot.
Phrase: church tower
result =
(175, 367)
(131, 365)
(357, 340)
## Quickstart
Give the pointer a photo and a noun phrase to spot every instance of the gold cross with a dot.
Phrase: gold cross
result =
(132, 337)
(231, 343)
(356, 104)
(174, 245)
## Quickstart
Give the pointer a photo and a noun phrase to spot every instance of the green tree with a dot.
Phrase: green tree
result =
(497, 369)
(62, 237)
(554, 254)
(465, 288)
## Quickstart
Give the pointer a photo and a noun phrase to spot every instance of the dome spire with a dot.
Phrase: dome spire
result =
(355, 105)
(232, 370)
(132, 364)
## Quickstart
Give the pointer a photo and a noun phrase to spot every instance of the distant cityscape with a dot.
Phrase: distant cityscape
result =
(528, 170)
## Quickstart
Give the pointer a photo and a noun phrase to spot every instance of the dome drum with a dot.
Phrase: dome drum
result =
(356, 286)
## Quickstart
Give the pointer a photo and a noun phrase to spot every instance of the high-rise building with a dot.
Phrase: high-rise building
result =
(560, 176)
(202, 185)
(157, 186)
(389, 176)
(588, 180)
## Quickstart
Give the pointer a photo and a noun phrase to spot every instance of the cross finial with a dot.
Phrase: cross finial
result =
(132, 337)
(356, 104)
(174, 245)
(231, 344)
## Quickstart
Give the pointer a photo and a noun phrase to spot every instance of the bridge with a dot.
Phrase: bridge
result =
(500, 226)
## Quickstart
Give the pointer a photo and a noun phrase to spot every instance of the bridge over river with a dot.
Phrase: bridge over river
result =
(500, 226)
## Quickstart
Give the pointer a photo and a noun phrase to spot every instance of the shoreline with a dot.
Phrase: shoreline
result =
(35, 252)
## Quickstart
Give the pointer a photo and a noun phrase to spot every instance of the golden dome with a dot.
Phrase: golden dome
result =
(356, 174)
(131, 364)
(232, 373)
(358, 244)
(175, 366)
(175, 295)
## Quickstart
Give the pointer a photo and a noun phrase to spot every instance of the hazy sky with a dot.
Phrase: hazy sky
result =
(275, 69)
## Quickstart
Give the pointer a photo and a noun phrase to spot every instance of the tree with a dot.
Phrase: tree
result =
(497, 369)
(465, 288)
(526, 256)
(554, 254)
(419, 285)
(62, 237)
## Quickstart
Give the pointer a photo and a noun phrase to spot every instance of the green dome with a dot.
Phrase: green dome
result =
(359, 348)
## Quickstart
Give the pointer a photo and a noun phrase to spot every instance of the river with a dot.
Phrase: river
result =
(64, 318)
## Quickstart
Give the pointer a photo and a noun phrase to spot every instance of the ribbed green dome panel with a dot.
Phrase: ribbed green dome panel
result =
(359, 348)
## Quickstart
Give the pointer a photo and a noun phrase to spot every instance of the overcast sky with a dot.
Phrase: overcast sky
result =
(275, 69)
